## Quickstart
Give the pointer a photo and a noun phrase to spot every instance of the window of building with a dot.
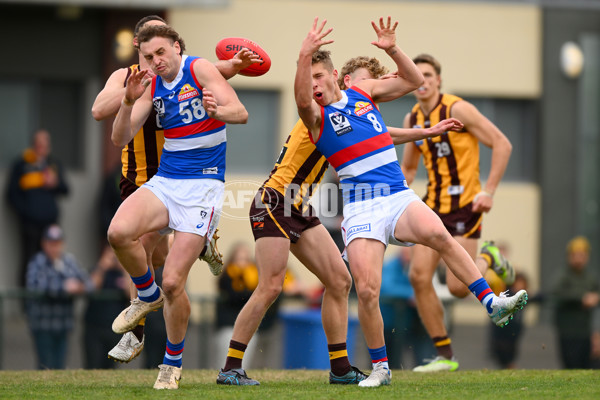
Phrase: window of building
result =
(252, 147)
(56, 105)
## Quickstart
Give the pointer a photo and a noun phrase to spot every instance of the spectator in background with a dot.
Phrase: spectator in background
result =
(53, 278)
(403, 329)
(111, 296)
(35, 182)
(577, 294)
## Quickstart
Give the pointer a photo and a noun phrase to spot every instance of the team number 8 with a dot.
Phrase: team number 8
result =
(376, 125)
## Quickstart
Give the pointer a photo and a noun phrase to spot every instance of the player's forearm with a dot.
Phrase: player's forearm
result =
(303, 82)
(234, 113)
(409, 173)
(407, 69)
(107, 104)
(405, 135)
(226, 68)
(500, 156)
(121, 133)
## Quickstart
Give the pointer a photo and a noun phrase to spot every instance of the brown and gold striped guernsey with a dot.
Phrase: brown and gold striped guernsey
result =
(452, 160)
(141, 156)
(300, 163)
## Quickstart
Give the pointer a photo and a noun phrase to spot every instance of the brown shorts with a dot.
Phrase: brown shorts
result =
(268, 216)
(463, 222)
(127, 187)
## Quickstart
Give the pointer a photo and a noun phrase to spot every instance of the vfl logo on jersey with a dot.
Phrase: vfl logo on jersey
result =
(187, 92)
(362, 107)
(159, 106)
(340, 123)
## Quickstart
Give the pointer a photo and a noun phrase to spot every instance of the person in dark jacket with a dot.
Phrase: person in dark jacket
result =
(54, 277)
(36, 181)
(577, 295)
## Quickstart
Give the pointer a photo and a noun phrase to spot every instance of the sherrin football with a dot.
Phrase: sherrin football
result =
(228, 47)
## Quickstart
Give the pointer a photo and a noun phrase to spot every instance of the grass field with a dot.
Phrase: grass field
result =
(302, 384)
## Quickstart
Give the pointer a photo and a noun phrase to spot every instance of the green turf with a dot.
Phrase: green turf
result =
(302, 384)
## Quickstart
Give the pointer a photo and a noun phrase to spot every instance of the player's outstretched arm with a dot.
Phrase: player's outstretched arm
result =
(308, 110)
(405, 135)
(130, 118)
(108, 101)
(408, 78)
(218, 97)
(410, 157)
(488, 134)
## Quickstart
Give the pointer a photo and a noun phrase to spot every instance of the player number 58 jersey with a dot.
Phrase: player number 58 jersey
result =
(195, 144)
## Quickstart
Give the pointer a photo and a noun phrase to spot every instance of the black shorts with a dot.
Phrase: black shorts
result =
(463, 222)
(269, 217)
(127, 187)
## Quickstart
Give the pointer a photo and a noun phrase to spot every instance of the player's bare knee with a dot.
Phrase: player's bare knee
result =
(439, 239)
(172, 286)
(418, 278)
(269, 293)
(338, 284)
(118, 236)
(367, 294)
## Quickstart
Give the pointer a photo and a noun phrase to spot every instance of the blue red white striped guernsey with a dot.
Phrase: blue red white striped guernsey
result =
(357, 144)
(195, 144)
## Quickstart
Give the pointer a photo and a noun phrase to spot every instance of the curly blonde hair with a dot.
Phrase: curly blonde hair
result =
(371, 64)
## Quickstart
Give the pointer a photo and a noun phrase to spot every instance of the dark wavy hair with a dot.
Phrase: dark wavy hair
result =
(143, 21)
(165, 31)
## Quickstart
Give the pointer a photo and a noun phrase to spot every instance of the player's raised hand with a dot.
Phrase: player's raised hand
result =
(137, 83)
(386, 33)
(449, 124)
(315, 38)
(245, 58)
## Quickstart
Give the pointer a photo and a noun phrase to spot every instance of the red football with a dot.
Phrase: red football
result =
(228, 47)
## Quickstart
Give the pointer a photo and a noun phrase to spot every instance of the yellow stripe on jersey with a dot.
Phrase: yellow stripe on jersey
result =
(451, 160)
(300, 163)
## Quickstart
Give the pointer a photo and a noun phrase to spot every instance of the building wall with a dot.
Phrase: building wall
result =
(566, 213)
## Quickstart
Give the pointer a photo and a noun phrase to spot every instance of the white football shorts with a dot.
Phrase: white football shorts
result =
(194, 205)
(376, 218)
